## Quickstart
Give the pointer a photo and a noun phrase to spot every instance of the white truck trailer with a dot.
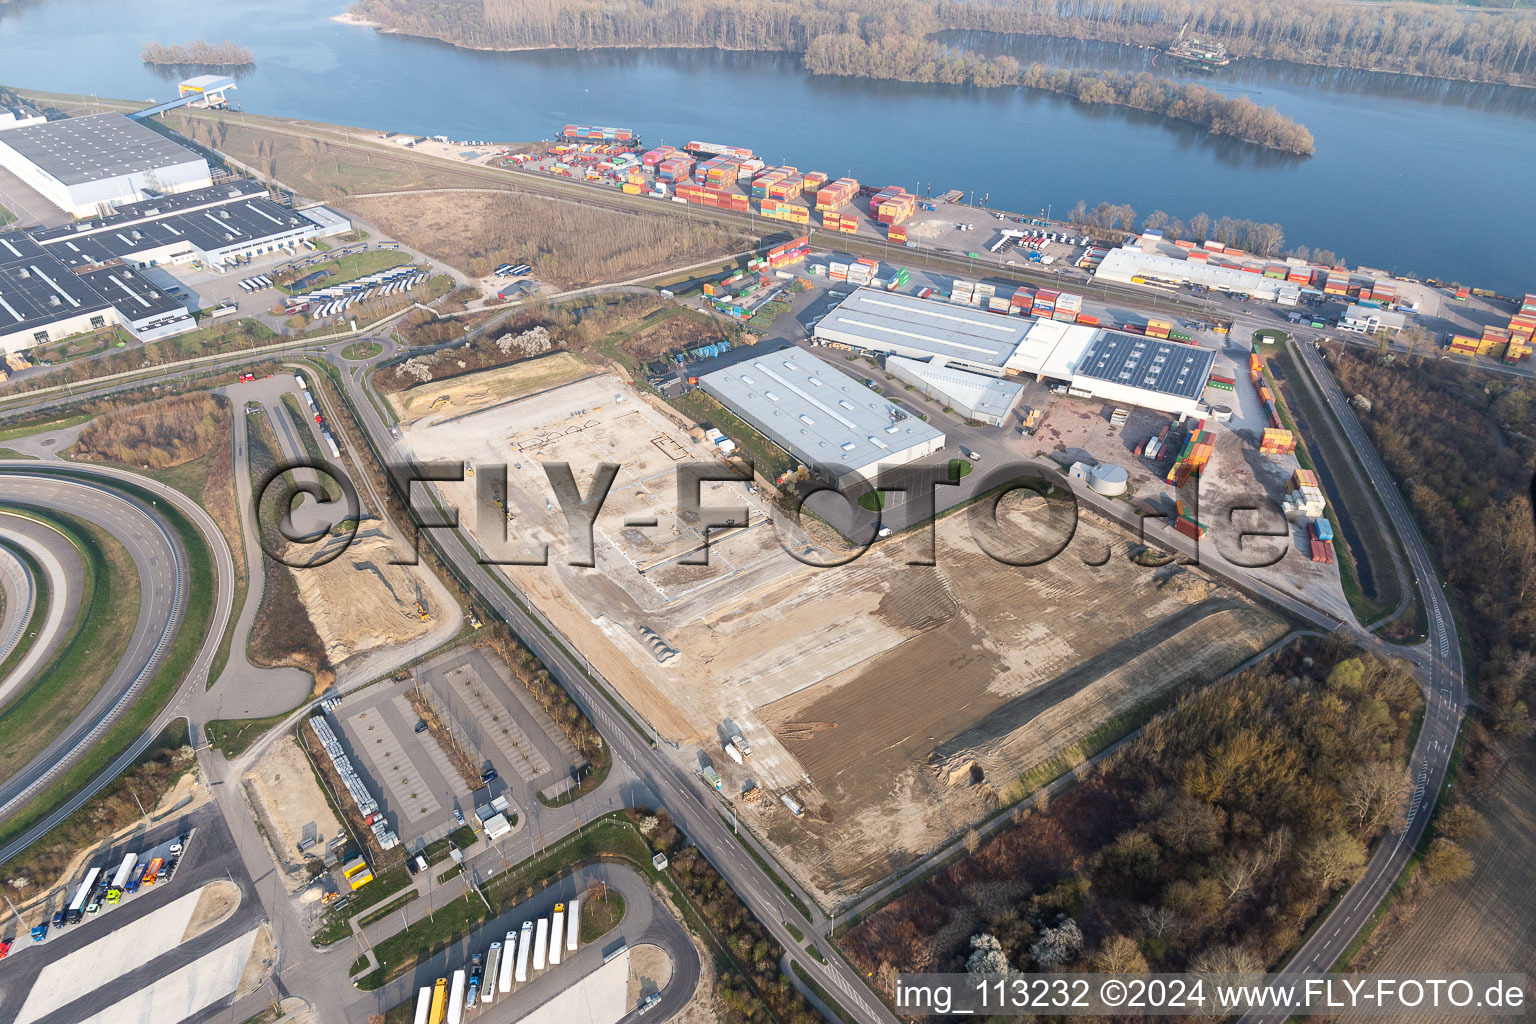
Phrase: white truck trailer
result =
(540, 943)
(508, 963)
(571, 926)
(524, 947)
(556, 934)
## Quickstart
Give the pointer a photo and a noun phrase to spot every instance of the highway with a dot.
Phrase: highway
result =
(58, 587)
(89, 489)
(162, 572)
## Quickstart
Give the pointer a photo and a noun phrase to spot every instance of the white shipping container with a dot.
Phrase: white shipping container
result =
(423, 1004)
(732, 752)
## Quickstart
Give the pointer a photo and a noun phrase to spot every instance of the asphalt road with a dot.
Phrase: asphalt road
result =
(62, 574)
(100, 489)
(161, 567)
(1440, 665)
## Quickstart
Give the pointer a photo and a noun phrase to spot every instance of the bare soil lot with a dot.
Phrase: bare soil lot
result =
(1485, 923)
(294, 806)
(458, 395)
(567, 243)
(360, 601)
(861, 688)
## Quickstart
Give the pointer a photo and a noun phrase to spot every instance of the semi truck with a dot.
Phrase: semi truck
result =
(120, 880)
(476, 962)
(137, 878)
(540, 943)
(492, 964)
(524, 947)
(153, 872)
(439, 1002)
(423, 1004)
(77, 905)
(556, 934)
(456, 998)
(508, 963)
(571, 925)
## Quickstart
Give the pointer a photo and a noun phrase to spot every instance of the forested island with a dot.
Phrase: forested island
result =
(1402, 37)
(908, 59)
(222, 55)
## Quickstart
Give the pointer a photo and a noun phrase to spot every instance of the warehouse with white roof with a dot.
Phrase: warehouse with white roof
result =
(92, 164)
(890, 323)
(1132, 266)
(1051, 349)
(975, 396)
(821, 416)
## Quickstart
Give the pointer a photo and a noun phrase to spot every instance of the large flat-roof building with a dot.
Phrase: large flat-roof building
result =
(823, 417)
(1133, 266)
(975, 396)
(217, 225)
(42, 300)
(1148, 372)
(1051, 349)
(872, 320)
(92, 164)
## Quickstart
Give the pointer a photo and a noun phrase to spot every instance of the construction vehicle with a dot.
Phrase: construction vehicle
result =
(421, 612)
(439, 401)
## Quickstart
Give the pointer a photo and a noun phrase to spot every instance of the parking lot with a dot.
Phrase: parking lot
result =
(491, 717)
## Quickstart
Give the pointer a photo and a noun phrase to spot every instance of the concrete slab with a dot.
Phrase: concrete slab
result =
(183, 992)
(108, 958)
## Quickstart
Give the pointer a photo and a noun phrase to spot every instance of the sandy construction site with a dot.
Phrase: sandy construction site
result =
(897, 703)
(359, 601)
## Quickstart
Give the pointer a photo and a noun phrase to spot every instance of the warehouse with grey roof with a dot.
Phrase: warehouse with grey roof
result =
(1130, 369)
(821, 416)
(890, 323)
(92, 164)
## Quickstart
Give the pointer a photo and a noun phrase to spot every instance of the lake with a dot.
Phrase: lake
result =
(1412, 176)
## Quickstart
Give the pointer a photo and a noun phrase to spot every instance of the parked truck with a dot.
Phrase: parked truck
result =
(153, 872)
(77, 905)
(137, 878)
(540, 943)
(524, 947)
(571, 924)
(423, 1005)
(492, 965)
(556, 934)
(120, 880)
(456, 998)
(508, 962)
(439, 1002)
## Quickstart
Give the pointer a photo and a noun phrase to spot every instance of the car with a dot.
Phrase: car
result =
(421, 726)
(971, 454)
(458, 816)
(489, 775)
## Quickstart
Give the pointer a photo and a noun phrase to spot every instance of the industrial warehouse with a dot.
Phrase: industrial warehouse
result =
(889, 323)
(957, 354)
(821, 416)
(96, 163)
(55, 282)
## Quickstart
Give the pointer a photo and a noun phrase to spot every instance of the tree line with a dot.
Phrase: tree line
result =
(225, 54)
(1208, 843)
(1403, 37)
(910, 59)
(1462, 446)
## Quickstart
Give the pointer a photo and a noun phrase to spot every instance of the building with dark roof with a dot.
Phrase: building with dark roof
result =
(92, 164)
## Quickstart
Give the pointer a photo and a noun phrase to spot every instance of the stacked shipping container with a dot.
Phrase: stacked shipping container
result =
(836, 195)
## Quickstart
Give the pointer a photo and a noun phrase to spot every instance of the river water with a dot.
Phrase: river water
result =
(1419, 177)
